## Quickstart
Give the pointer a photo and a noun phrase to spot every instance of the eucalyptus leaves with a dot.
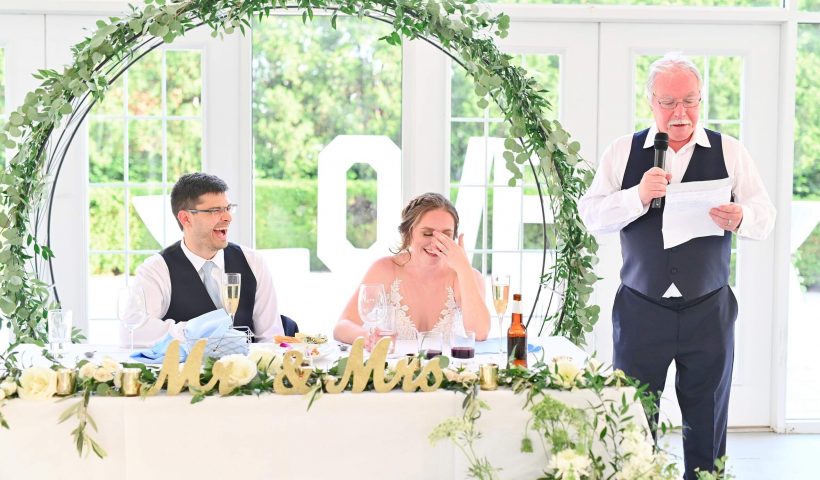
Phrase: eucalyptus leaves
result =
(463, 30)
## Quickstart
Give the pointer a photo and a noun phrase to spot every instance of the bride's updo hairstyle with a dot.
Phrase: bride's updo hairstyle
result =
(416, 208)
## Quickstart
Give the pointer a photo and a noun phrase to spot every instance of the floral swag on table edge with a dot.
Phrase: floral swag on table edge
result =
(564, 433)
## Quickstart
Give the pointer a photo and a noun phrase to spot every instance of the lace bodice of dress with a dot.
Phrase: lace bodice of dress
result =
(405, 328)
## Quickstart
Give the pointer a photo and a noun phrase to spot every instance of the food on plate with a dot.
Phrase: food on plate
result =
(312, 338)
(285, 339)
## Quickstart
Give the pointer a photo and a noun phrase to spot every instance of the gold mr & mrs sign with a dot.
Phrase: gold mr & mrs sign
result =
(408, 372)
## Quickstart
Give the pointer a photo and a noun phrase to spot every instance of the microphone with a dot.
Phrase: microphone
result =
(661, 144)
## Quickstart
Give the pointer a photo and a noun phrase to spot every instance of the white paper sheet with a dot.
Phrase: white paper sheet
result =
(686, 212)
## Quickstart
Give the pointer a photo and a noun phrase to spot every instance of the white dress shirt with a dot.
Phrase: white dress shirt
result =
(605, 208)
(155, 279)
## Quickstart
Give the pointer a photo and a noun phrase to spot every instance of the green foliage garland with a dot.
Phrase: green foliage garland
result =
(461, 29)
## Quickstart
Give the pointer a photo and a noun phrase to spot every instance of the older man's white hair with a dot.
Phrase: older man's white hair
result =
(671, 62)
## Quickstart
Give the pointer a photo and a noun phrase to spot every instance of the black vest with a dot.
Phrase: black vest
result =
(696, 267)
(190, 299)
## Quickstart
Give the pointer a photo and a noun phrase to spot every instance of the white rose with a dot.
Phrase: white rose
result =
(8, 387)
(102, 375)
(616, 377)
(567, 371)
(37, 383)
(87, 371)
(450, 374)
(239, 370)
(467, 376)
(569, 464)
(594, 365)
(111, 365)
(266, 361)
(2, 395)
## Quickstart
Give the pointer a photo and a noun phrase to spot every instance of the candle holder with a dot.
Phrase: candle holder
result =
(130, 382)
(488, 376)
(65, 381)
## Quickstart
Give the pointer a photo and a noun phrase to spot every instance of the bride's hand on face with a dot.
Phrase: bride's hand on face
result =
(453, 253)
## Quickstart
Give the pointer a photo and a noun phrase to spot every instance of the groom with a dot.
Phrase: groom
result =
(182, 282)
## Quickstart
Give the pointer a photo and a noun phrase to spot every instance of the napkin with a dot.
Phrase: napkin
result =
(491, 346)
(212, 325)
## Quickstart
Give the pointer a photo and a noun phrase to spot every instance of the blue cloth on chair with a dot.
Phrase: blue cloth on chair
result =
(214, 324)
(491, 346)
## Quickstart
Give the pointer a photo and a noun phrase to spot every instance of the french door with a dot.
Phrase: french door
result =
(739, 65)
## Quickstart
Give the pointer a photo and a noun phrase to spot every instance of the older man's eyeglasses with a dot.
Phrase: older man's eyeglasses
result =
(231, 208)
(669, 103)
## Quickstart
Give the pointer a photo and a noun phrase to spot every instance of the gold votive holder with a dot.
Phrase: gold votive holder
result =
(65, 381)
(488, 376)
(130, 381)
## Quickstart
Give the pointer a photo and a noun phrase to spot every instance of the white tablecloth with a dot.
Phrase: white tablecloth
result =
(357, 436)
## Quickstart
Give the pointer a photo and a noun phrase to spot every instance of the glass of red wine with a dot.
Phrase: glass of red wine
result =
(463, 349)
(430, 344)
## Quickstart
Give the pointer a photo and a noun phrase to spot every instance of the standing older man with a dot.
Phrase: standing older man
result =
(182, 282)
(676, 304)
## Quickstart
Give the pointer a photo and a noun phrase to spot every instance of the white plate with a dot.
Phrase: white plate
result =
(318, 351)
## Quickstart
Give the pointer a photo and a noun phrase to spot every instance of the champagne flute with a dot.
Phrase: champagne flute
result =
(131, 310)
(231, 286)
(59, 329)
(501, 296)
(372, 304)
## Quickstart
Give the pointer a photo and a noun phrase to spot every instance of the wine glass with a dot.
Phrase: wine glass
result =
(501, 296)
(59, 329)
(231, 285)
(372, 305)
(387, 328)
(131, 310)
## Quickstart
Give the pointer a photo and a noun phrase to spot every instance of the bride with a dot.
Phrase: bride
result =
(428, 279)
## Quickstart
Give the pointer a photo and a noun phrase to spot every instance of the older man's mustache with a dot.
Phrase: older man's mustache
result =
(679, 122)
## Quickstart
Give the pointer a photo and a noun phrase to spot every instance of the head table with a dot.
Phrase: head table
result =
(347, 435)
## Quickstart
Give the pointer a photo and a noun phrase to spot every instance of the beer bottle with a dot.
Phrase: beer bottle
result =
(517, 335)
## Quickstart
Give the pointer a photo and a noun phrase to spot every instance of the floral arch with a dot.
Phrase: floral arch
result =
(40, 131)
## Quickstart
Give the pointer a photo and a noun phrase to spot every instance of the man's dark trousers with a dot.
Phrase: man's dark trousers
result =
(699, 336)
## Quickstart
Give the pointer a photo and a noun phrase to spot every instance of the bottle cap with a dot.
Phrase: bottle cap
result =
(517, 297)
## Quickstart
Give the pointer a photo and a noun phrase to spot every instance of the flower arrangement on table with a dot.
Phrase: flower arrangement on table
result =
(564, 433)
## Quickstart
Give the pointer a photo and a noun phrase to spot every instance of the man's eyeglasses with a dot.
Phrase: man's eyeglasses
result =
(231, 208)
(668, 103)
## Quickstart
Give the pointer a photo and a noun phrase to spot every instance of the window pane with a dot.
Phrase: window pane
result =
(462, 94)
(810, 5)
(545, 69)
(105, 150)
(184, 88)
(140, 237)
(466, 138)
(145, 151)
(803, 398)
(145, 85)
(305, 94)
(184, 147)
(113, 102)
(106, 212)
(2, 81)
(471, 221)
